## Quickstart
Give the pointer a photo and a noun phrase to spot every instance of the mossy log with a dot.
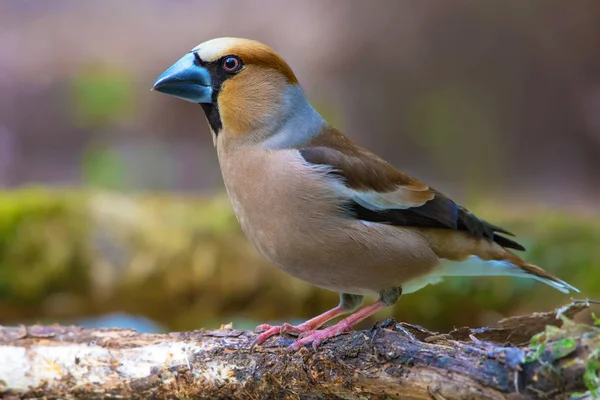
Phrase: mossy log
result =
(392, 360)
(183, 262)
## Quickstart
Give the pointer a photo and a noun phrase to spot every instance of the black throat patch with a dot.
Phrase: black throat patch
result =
(213, 116)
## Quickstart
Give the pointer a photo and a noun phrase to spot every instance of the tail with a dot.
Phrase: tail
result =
(465, 255)
(512, 265)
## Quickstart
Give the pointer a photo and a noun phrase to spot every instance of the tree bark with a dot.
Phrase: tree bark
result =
(392, 360)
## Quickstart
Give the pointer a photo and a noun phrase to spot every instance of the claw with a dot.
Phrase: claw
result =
(290, 349)
(289, 328)
(316, 343)
(305, 334)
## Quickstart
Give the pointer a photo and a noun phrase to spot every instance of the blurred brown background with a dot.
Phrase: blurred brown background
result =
(492, 102)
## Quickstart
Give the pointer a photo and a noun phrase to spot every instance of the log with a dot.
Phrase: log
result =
(526, 357)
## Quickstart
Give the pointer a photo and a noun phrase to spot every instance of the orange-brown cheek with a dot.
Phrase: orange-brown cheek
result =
(249, 99)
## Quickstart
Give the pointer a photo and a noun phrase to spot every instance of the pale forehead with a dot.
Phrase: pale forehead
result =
(215, 48)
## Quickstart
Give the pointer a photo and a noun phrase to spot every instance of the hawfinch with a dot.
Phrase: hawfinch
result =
(319, 206)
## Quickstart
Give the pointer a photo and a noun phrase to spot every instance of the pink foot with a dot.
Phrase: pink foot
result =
(269, 330)
(317, 337)
(272, 330)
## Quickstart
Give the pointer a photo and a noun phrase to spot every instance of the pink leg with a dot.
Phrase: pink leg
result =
(317, 337)
(309, 325)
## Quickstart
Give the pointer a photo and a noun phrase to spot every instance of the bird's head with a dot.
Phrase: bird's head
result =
(248, 92)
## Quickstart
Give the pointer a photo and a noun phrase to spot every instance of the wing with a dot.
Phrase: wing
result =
(377, 192)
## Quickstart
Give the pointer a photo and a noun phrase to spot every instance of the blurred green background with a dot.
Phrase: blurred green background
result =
(113, 211)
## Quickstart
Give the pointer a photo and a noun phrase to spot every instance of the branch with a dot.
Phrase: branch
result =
(392, 360)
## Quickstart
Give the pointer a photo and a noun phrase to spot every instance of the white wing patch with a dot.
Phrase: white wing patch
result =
(400, 199)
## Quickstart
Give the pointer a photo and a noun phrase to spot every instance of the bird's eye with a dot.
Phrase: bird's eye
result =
(232, 64)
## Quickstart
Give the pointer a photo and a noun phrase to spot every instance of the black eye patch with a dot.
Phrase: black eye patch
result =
(218, 76)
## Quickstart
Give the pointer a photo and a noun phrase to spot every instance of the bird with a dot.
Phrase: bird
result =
(321, 207)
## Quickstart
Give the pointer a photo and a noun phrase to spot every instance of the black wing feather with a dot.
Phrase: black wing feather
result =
(440, 212)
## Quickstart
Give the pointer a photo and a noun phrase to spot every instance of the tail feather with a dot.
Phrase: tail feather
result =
(475, 266)
(539, 274)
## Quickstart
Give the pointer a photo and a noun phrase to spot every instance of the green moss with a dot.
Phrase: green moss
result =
(537, 352)
(590, 378)
(563, 348)
(561, 344)
(39, 245)
(596, 319)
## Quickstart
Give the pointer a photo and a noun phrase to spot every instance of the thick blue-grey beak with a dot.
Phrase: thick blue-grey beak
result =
(186, 80)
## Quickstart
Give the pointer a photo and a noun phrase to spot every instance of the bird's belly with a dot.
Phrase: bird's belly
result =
(296, 222)
(349, 256)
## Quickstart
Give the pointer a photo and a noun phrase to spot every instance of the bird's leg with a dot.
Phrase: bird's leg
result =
(318, 336)
(272, 330)
(348, 303)
(387, 298)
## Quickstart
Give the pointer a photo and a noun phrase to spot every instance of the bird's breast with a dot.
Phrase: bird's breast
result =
(280, 202)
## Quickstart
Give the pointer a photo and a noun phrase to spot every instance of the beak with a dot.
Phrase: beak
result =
(186, 80)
